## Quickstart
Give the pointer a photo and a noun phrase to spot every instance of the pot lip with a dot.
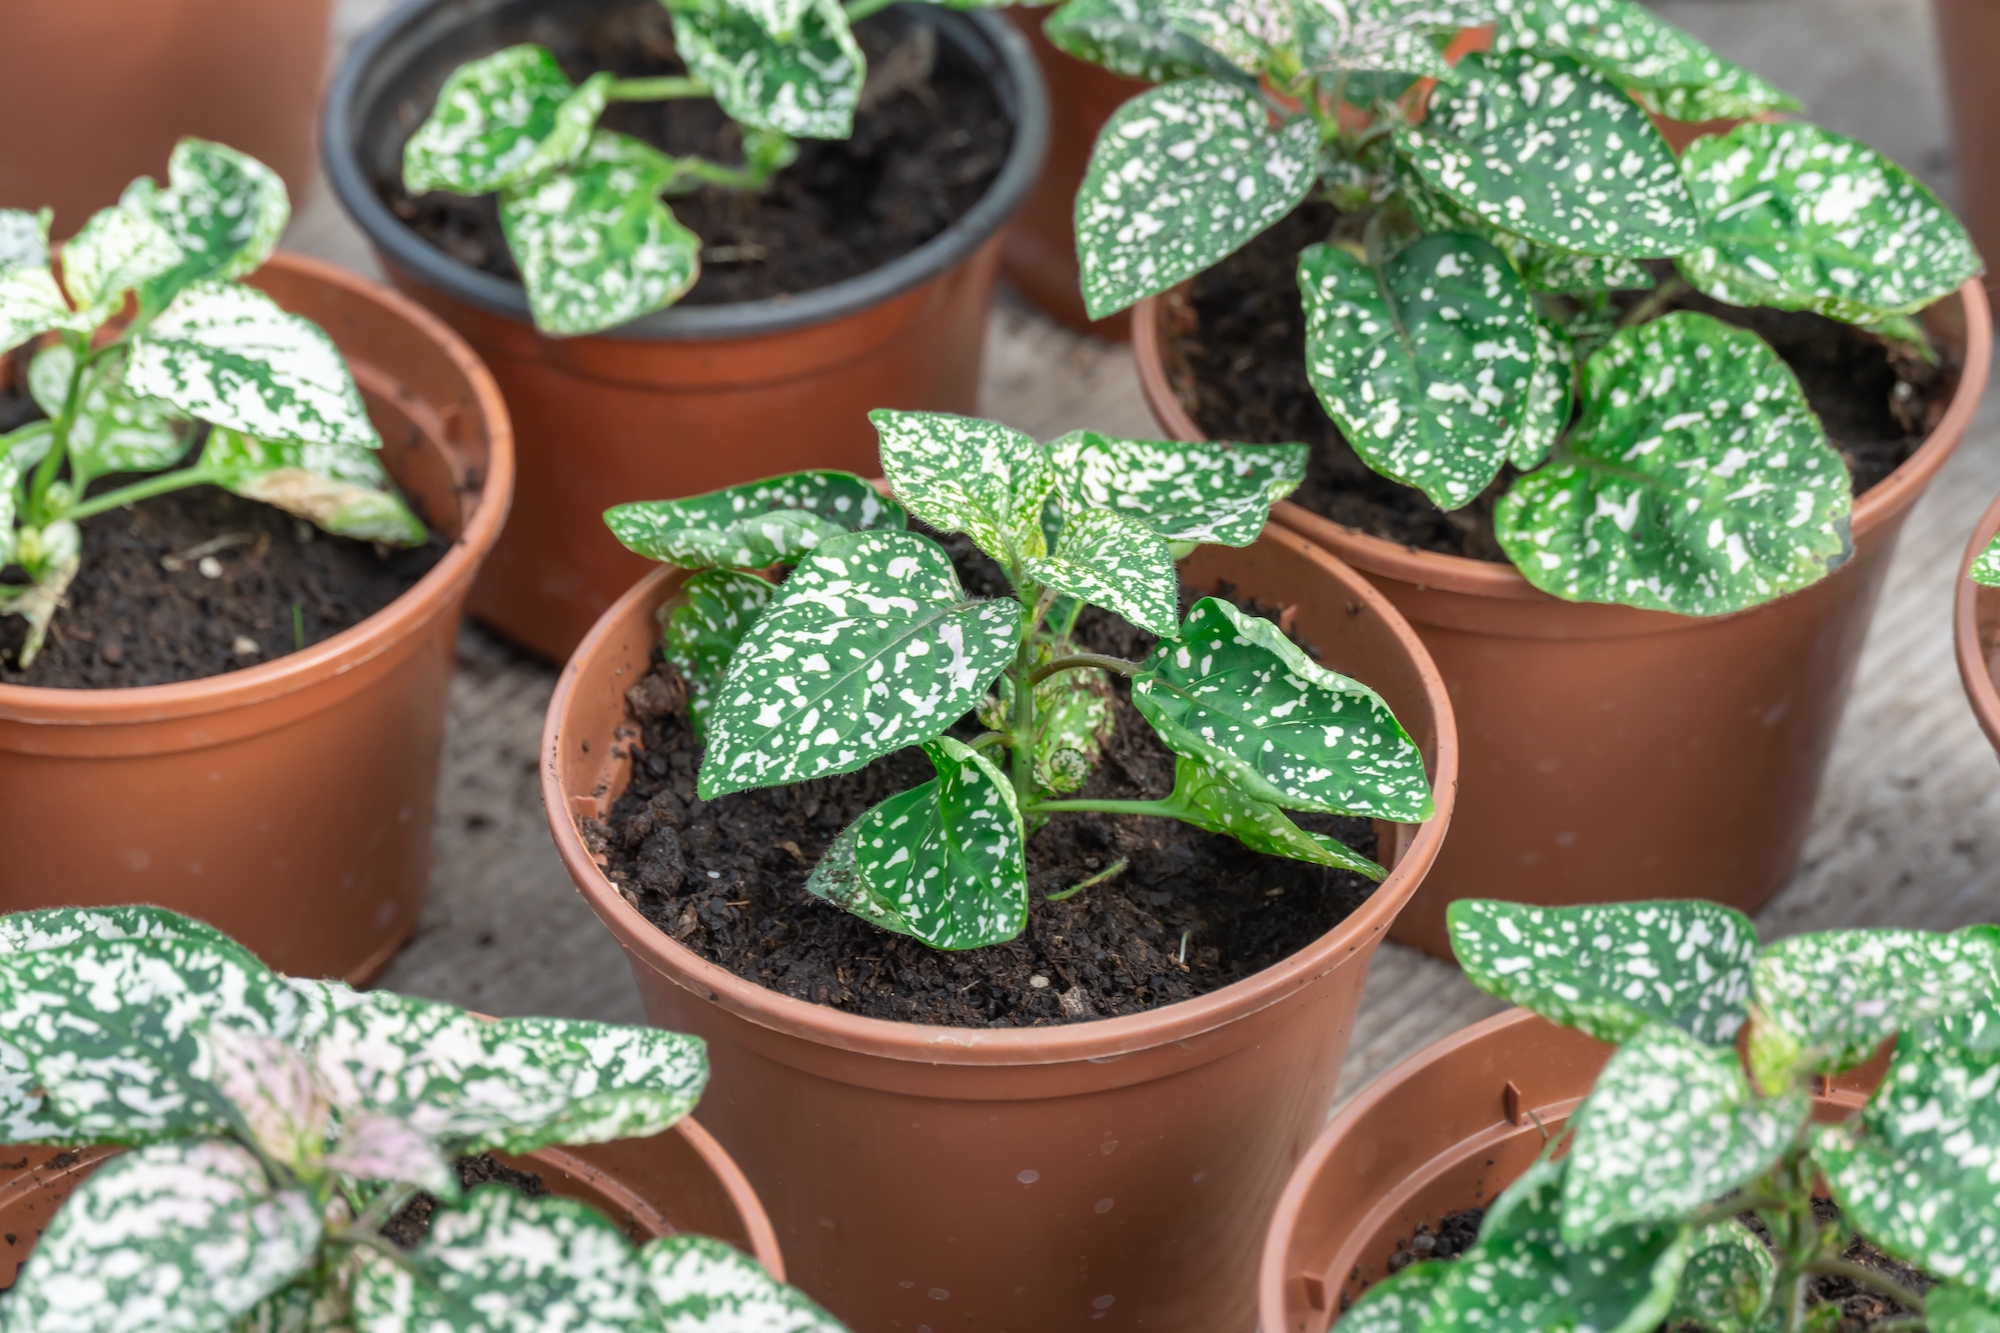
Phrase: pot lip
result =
(1102, 1040)
(405, 250)
(1485, 578)
(42, 704)
(1980, 690)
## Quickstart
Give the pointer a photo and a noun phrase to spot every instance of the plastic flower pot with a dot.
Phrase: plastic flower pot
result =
(290, 803)
(1103, 1175)
(1612, 753)
(1968, 31)
(1975, 628)
(679, 1181)
(691, 398)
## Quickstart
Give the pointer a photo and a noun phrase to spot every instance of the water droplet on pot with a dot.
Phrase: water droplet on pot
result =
(1029, 1177)
(940, 1294)
(1104, 1205)
(1103, 1302)
(1108, 1147)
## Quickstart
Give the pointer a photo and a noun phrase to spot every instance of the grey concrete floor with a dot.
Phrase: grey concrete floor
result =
(1904, 833)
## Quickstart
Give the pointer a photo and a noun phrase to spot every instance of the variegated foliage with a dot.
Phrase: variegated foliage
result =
(277, 1123)
(286, 422)
(871, 644)
(1681, 1136)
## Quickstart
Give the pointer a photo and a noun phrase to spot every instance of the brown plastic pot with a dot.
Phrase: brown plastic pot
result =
(1968, 33)
(289, 803)
(242, 72)
(694, 397)
(677, 1182)
(1105, 1175)
(1975, 629)
(1449, 1128)
(1618, 754)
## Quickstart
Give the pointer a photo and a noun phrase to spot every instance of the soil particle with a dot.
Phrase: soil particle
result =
(409, 1227)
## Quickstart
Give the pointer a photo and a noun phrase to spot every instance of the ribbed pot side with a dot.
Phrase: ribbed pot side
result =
(1975, 628)
(1613, 753)
(1106, 1175)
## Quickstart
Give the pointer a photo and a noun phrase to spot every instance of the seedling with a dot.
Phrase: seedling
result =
(1488, 208)
(274, 1124)
(148, 347)
(1642, 1220)
(871, 644)
(581, 206)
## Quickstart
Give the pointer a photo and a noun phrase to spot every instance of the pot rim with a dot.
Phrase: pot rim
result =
(1486, 578)
(405, 250)
(356, 644)
(932, 1044)
(1980, 691)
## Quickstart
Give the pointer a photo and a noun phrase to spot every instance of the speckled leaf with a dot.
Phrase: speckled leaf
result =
(595, 245)
(758, 523)
(700, 627)
(1551, 393)
(1188, 492)
(1801, 218)
(113, 430)
(1133, 38)
(1609, 971)
(941, 862)
(174, 1238)
(1986, 567)
(705, 1286)
(1378, 36)
(1544, 148)
(960, 474)
(269, 1084)
(1950, 1308)
(1119, 563)
(1543, 268)
(383, 1148)
(224, 210)
(59, 927)
(230, 355)
(1671, 1124)
(1424, 363)
(779, 18)
(1181, 176)
(340, 487)
(1668, 71)
(1237, 694)
(1248, 34)
(807, 86)
(502, 120)
(117, 249)
(1209, 799)
(1727, 1282)
(30, 301)
(1401, 1303)
(1698, 480)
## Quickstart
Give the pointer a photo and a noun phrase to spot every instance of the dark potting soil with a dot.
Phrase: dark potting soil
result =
(1234, 353)
(409, 1227)
(929, 138)
(1193, 911)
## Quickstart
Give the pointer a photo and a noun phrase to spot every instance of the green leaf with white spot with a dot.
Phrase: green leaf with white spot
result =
(340, 487)
(1380, 36)
(1543, 148)
(1187, 492)
(174, 1238)
(1237, 694)
(500, 121)
(807, 85)
(1986, 566)
(759, 523)
(1551, 393)
(1181, 176)
(1252, 35)
(58, 927)
(1726, 1287)
(1400, 1303)
(224, 210)
(113, 431)
(595, 246)
(942, 862)
(1610, 971)
(1119, 563)
(961, 474)
(1800, 218)
(230, 355)
(1210, 799)
(1133, 38)
(30, 302)
(1950, 1308)
(870, 645)
(1698, 480)
(705, 1286)
(118, 248)
(1425, 362)
(1543, 268)
(700, 627)
(1671, 1124)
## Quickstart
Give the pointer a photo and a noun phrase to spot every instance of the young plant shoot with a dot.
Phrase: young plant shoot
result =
(150, 346)
(275, 1124)
(1641, 1223)
(871, 644)
(581, 206)
(1459, 315)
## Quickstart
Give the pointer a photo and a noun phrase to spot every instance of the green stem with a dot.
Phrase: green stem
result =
(140, 490)
(51, 464)
(1021, 726)
(1867, 1277)
(655, 90)
(858, 10)
(729, 178)
(1077, 661)
(1663, 296)
(1115, 868)
(1164, 809)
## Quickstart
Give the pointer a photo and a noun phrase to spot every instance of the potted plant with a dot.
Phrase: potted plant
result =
(1067, 1034)
(838, 181)
(1592, 417)
(1732, 1166)
(1975, 621)
(221, 682)
(285, 1153)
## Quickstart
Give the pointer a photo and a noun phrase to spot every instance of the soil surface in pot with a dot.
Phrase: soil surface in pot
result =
(1192, 912)
(1235, 356)
(929, 138)
(409, 1227)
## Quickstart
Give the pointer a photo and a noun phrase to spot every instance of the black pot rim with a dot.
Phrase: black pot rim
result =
(403, 249)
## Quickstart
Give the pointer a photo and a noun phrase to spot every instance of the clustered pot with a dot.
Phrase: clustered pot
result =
(1968, 31)
(1617, 754)
(290, 803)
(689, 399)
(1975, 629)
(1111, 1174)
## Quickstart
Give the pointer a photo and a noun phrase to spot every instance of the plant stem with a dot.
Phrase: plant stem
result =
(655, 90)
(1663, 296)
(729, 178)
(1867, 1277)
(45, 474)
(1021, 726)
(1077, 661)
(858, 10)
(1115, 868)
(140, 490)
(1160, 808)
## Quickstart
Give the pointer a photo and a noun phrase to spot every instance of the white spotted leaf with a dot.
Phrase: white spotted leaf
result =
(117, 249)
(1377, 36)
(759, 523)
(806, 85)
(1726, 1287)
(1551, 394)
(1543, 268)
(705, 1286)
(1950, 1308)
(700, 627)
(59, 927)
(224, 210)
(1986, 566)
(1423, 363)
(1698, 480)
(961, 474)
(338, 486)
(1181, 176)
(1187, 492)
(1401, 1303)
(1235, 693)
(113, 431)
(870, 645)
(1135, 39)
(1209, 799)
(501, 121)
(30, 301)
(1121, 564)
(1609, 971)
